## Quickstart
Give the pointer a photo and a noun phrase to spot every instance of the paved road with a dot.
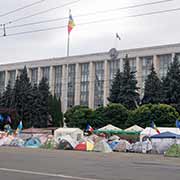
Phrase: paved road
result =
(39, 164)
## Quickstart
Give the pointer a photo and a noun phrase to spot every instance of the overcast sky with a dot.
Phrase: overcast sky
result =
(135, 32)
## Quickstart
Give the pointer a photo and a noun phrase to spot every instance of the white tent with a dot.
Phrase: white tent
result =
(135, 128)
(75, 133)
(109, 127)
(147, 132)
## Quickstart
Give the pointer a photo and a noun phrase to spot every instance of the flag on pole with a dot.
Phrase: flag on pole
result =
(89, 128)
(154, 127)
(178, 123)
(117, 36)
(71, 23)
(19, 128)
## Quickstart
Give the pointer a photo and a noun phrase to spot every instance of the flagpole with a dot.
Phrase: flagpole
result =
(68, 40)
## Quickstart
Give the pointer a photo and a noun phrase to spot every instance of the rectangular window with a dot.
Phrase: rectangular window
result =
(84, 92)
(12, 77)
(99, 84)
(132, 64)
(45, 73)
(164, 62)
(71, 85)
(2, 81)
(58, 81)
(34, 76)
(146, 63)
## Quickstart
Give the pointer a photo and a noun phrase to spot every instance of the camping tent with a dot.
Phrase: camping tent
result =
(102, 146)
(148, 132)
(75, 133)
(135, 128)
(85, 146)
(109, 127)
(163, 141)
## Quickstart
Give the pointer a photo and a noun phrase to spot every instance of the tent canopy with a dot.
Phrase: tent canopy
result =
(135, 128)
(166, 135)
(121, 132)
(109, 127)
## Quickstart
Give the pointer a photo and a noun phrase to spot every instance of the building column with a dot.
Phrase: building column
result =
(91, 85)
(51, 80)
(77, 84)
(6, 79)
(156, 63)
(106, 82)
(121, 65)
(173, 55)
(64, 87)
(139, 74)
(39, 75)
(16, 73)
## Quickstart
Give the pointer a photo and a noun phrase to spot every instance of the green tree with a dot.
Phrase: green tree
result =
(128, 95)
(55, 111)
(43, 104)
(115, 88)
(115, 114)
(153, 88)
(171, 83)
(78, 116)
(162, 114)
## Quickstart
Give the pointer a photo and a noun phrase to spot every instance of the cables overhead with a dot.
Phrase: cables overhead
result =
(98, 21)
(89, 14)
(45, 11)
(21, 8)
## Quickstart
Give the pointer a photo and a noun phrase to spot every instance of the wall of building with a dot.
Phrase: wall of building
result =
(86, 79)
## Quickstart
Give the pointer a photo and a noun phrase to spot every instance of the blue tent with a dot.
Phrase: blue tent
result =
(33, 142)
(166, 135)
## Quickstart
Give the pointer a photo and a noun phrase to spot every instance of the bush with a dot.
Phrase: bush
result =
(162, 114)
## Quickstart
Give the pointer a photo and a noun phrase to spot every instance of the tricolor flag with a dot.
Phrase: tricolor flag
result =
(154, 127)
(89, 128)
(71, 23)
(19, 128)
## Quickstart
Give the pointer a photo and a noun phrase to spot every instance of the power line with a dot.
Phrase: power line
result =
(93, 13)
(45, 11)
(98, 21)
(21, 8)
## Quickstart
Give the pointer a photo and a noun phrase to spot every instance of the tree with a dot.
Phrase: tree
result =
(78, 116)
(128, 95)
(171, 83)
(55, 111)
(153, 88)
(115, 88)
(22, 98)
(43, 104)
(162, 114)
(115, 114)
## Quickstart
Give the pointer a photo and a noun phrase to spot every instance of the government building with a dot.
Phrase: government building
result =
(86, 79)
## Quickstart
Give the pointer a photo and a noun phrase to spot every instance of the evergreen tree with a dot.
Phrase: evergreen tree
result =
(171, 83)
(153, 88)
(128, 94)
(115, 88)
(43, 104)
(23, 98)
(55, 111)
(7, 97)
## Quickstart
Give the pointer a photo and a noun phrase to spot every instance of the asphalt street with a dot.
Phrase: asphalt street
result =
(40, 164)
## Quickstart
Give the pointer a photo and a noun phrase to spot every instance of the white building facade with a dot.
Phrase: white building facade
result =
(86, 79)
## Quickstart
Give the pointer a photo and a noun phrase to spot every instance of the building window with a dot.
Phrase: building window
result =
(58, 81)
(99, 84)
(45, 73)
(113, 68)
(84, 91)
(2, 81)
(34, 76)
(146, 63)
(71, 85)
(12, 78)
(164, 62)
(178, 56)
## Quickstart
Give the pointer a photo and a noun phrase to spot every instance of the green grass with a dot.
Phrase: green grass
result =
(173, 151)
